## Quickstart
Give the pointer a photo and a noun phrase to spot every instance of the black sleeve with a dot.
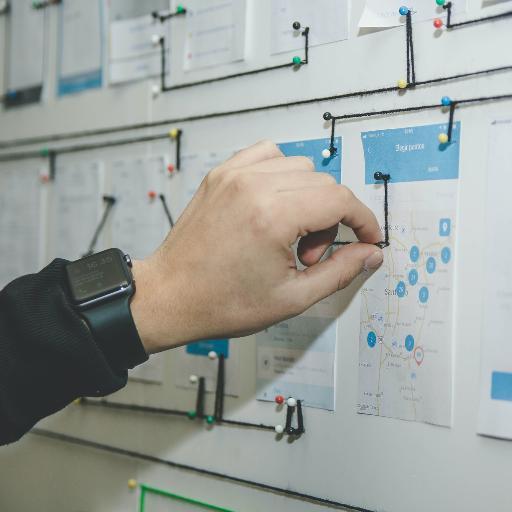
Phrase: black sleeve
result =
(48, 356)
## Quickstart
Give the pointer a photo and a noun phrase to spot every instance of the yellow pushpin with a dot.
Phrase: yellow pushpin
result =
(77, 401)
(132, 484)
(173, 134)
(442, 138)
(402, 84)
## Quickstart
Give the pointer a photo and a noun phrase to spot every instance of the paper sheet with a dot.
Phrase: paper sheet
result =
(215, 33)
(126, 9)
(22, 222)
(77, 204)
(150, 371)
(80, 46)
(495, 414)
(138, 222)
(327, 19)
(384, 13)
(26, 50)
(405, 344)
(132, 55)
(297, 357)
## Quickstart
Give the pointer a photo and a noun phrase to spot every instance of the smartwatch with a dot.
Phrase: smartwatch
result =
(101, 288)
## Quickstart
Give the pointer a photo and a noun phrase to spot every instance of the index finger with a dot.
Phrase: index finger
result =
(320, 208)
(263, 150)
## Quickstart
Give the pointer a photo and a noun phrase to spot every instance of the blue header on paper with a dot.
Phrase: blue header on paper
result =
(313, 150)
(202, 348)
(501, 386)
(412, 154)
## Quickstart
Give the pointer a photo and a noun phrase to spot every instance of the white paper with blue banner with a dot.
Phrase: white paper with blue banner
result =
(80, 46)
(495, 415)
(297, 357)
(405, 345)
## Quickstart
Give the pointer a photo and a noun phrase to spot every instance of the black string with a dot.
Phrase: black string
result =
(453, 104)
(109, 203)
(219, 391)
(178, 149)
(167, 16)
(379, 176)
(167, 88)
(213, 115)
(186, 467)
(166, 210)
(411, 72)
(200, 398)
(450, 25)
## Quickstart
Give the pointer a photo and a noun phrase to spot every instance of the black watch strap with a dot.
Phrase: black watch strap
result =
(112, 325)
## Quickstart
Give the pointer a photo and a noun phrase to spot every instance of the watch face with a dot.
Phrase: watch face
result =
(97, 275)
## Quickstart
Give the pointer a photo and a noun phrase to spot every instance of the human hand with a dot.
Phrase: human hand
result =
(228, 269)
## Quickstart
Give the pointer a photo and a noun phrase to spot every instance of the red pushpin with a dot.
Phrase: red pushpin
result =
(45, 178)
(438, 23)
(152, 195)
(279, 399)
(170, 168)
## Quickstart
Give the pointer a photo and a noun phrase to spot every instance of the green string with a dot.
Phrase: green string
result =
(146, 489)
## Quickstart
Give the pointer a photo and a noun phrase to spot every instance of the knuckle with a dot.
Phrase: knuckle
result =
(268, 145)
(345, 193)
(326, 178)
(306, 163)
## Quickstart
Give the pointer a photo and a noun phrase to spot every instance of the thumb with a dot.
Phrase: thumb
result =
(338, 271)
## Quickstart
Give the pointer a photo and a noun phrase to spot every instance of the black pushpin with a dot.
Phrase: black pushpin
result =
(296, 25)
(327, 116)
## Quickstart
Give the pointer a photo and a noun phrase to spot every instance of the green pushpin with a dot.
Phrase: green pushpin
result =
(440, 2)
(209, 420)
(180, 9)
(35, 4)
(191, 415)
(296, 60)
(44, 152)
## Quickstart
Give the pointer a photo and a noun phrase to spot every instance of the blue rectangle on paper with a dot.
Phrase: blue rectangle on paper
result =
(313, 150)
(202, 348)
(412, 154)
(81, 82)
(501, 386)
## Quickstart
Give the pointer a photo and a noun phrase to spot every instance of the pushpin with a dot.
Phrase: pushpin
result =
(173, 134)
(155, 90)
(180, 9)
(296, 61)
(170, 168)
(209, 420)
(132, 483)
(212, 355)
(193, 379)
(326, 153)
(327, 116)
(440, 2)
(403, 11)
(44, 152)
(191, 415)
(279, 399)
(279, 429)
(442, 138)
(77, 401)
(152, 195)
(291, 402)
(402, 84)
(438, 23)
(155, 39)
(45, 178)
(446, 101)
(296, 25)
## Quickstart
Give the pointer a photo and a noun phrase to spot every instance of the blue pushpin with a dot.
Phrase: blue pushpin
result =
(404, 11)
(446, 101)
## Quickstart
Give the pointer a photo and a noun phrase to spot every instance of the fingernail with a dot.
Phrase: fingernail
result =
(374, 261)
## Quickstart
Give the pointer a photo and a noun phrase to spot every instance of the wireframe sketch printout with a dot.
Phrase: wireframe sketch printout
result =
(405, 344)
(495, 415)
(139, 223)
(77, 203)
(297, 357)
(26, 52)
(215, 33)
(132, 55)
(80, 46)
(328, 20)
(21, 222)
(384, 13)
